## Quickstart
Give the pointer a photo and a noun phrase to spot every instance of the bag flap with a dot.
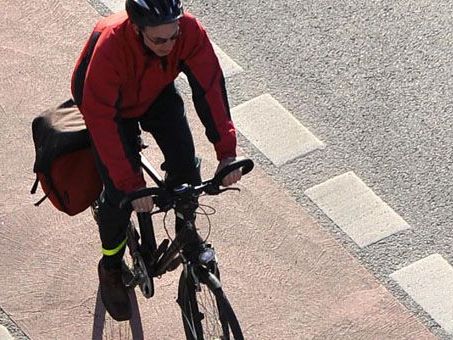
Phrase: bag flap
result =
(58, 131)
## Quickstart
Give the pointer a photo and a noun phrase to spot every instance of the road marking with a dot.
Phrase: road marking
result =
(273, 130)
(4, 333)
(429, 282)
(229, 66)
(356, 209)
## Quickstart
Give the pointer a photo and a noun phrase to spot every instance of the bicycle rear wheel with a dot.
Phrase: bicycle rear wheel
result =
(206, 314)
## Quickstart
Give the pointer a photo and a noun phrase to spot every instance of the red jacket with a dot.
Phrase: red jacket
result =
(115, 77)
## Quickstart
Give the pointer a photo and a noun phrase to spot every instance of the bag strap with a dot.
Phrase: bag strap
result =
(80, 72)
(41, 200)
(35, 186)
(52, 189)
(33, 191)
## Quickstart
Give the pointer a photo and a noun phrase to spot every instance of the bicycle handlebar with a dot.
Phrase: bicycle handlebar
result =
(245, 164)
(164, 199)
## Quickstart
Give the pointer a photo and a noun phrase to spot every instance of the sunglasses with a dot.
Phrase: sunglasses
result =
(161, 41)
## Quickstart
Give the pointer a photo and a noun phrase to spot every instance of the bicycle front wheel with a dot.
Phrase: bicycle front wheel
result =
(206, 314)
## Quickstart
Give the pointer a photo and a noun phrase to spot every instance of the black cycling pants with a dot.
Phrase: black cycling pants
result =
(167, 123)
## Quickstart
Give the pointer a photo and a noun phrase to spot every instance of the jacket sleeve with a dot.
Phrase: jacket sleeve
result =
(101, 100)
(206, 79)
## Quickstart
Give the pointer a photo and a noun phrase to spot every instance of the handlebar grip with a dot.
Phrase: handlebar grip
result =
(245, 164)
(126, 202)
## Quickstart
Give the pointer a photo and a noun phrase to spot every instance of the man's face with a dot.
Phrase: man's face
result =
(161, 39)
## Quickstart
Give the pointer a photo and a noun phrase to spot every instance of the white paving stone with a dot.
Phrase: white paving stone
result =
(115, 5)
(356, 209)
(273, 130)
(4, 334)
(228, 65)
(430, 283)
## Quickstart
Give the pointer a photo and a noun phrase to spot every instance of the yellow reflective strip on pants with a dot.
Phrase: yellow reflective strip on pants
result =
(111, 252)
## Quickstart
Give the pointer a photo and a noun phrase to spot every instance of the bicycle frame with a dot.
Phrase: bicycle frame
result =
(200, 270)
(150, 261)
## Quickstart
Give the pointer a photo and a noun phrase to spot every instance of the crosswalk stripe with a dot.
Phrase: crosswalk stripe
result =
(274, 130)
(356, 209)
(429, 282)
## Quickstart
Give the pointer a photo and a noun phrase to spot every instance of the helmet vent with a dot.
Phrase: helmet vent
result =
(154, 12)
(142, 3)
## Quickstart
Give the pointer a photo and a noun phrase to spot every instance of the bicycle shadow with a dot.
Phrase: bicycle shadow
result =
(99, 322)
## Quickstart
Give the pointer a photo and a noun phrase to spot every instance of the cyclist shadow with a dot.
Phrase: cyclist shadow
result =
(99, 322)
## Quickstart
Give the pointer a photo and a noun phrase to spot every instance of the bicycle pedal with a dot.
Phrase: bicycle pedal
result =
(128, 277)
(147, 288)
(130, 282)
(174, 264)
(161, 249)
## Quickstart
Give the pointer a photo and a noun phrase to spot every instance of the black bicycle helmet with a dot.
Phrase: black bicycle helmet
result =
(153, 12)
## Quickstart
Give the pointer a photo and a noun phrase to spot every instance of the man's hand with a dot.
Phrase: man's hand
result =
(143, 204)
(233, 176)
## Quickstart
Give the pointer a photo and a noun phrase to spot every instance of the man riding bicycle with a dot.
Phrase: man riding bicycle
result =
(123, 82)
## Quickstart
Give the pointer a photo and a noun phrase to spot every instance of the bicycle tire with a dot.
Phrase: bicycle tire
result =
(206, 315)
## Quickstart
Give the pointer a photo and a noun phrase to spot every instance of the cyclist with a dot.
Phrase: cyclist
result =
(123, 82)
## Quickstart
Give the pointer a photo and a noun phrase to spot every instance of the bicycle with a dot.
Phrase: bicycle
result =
(205, 310)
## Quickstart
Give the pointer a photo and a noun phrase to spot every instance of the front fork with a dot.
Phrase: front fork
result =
(204, 269)
(200, 263)
(199, 258)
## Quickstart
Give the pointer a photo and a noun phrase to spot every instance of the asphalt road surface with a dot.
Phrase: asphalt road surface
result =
(374, 81)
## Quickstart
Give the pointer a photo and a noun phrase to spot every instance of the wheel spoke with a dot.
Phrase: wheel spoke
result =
(207, 305)
(208, 311)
